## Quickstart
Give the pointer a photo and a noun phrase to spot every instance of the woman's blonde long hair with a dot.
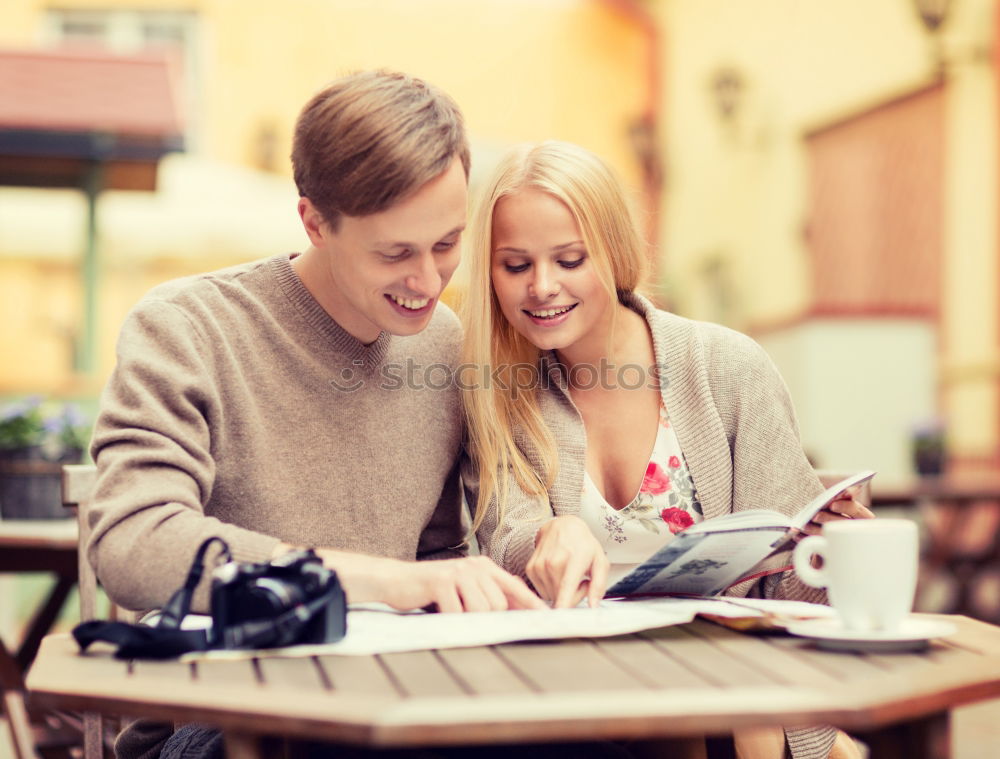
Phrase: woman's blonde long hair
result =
(500, 400)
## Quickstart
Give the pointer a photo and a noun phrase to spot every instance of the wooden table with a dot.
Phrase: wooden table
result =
(40, 546)
(961, 516)
(34, 546)
(679, 681)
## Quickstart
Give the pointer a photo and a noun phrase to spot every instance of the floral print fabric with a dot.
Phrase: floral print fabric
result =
(665, 504)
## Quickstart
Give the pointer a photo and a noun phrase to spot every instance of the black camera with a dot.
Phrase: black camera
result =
(290, 600)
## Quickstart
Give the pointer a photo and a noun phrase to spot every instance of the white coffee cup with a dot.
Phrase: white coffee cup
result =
(869, 570)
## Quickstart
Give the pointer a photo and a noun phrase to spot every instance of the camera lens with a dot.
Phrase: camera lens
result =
(267, 596)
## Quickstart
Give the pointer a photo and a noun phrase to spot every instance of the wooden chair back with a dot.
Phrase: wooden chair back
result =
(36, 734)
(77, 487)
(78, 481)
(22, 736)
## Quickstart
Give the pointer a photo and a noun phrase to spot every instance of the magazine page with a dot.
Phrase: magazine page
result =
(752, 519)
(709, 556)
(697, 563)
(818, 503)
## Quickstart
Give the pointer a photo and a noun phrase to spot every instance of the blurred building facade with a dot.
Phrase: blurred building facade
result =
(832, 190)
(520, 70)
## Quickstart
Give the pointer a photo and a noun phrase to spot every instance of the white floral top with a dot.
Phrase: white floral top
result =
(665, 505)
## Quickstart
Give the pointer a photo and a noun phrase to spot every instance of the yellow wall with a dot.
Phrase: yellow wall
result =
(970, 344)
(736, 206)
(737, 187)
(520, 70)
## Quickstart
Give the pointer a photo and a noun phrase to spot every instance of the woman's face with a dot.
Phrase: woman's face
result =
(543, 276)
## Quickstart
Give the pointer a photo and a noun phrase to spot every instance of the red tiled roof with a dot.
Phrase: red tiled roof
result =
(76, 91)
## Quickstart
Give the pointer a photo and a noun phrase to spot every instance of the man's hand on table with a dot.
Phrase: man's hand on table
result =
(474, 583)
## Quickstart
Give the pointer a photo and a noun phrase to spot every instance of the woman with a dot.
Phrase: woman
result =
(607, 425)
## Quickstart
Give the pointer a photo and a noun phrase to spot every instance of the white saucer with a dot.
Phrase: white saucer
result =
(913, 634)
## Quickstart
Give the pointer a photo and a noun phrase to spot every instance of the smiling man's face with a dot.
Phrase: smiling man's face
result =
(386, 271)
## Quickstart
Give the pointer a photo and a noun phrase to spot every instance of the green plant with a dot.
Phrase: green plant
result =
(58, 428)
(70, 427)
(22, 424)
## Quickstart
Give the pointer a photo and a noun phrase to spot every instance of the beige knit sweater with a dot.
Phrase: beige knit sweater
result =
(239, 408)
(736, 426)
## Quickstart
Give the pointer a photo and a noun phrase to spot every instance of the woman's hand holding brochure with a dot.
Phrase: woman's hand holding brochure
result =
(710, 556)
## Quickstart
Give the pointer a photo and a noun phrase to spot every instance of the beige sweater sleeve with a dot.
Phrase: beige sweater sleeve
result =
(155, 468)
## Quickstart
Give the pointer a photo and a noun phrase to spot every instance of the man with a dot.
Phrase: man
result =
(253, 403)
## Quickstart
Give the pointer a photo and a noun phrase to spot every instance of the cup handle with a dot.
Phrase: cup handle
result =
(802, 561)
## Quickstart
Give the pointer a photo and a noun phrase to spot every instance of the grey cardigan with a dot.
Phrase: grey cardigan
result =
(736, 426)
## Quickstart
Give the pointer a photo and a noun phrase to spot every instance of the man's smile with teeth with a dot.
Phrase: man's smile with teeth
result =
(550, 312)
(413, 304)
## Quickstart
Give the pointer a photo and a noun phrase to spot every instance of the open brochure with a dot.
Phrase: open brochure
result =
(710, 556)
(375, 628)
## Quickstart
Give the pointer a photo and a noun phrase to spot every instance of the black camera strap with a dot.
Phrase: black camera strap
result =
(166, 639)
(140, 641)
(179, 605)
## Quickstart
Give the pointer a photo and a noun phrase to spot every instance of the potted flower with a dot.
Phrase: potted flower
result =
(36, 438)
(68, 432)
(22, 430)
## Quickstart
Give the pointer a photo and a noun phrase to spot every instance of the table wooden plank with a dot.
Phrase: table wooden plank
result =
(64, 680)
(946, 654)
(651, 664)
(483, 671)
(708, 661)
(579, 665)
(972, 634)
(592, 714)
(758, 653)
(358, 674)
(292, 672)
(421, 673)
(165, 671)
(845, 666)
(241, 672)
(39, 533)
(974, 639)
(935, 657)
(67, 667)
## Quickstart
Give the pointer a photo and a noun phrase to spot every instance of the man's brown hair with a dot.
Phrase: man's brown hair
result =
(367, 140)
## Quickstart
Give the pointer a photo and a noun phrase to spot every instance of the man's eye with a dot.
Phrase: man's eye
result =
(441, 247)
(397, 256)
(572, 264)
(515, 268)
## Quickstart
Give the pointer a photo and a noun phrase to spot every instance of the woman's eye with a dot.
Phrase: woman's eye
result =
(516, 268)
(572, 264)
